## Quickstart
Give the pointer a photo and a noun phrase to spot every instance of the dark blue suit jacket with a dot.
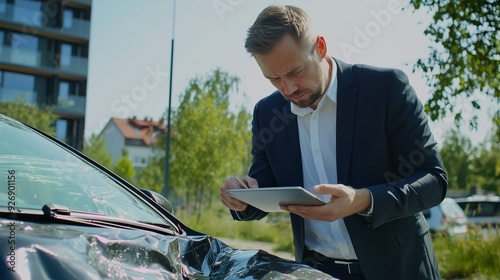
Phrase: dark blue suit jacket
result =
(384, 144)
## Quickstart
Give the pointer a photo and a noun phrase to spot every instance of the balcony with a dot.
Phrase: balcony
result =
(7, 95)
(33, 21)
(44, 61)
(71, 105)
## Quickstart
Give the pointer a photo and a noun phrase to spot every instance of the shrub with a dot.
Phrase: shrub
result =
(476, 255)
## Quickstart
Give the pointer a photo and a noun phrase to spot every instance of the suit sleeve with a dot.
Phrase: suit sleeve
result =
(417, 179)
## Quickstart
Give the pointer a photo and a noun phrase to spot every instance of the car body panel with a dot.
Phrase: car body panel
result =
(60, 251)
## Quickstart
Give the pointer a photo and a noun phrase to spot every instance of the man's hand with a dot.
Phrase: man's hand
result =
(344, 202)
(236, 183)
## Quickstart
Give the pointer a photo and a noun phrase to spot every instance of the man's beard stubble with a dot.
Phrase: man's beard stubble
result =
(314, 96)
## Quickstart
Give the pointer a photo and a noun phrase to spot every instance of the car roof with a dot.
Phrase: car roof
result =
(476, 198)
(448, 199)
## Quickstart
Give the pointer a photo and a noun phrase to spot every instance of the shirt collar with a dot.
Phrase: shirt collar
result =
(331, 93)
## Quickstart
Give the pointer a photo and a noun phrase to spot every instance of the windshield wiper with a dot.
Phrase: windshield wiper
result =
(63, 213)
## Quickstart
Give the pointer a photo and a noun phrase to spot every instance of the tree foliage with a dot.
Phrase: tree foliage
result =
(457, 154)
(469, 165)
(124, 167)
(485, 168)
(210, 140)
(95, 148)
(152, 176)
(464, 63)
(30, 114)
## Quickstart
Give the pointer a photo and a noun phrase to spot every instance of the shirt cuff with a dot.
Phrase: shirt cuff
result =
(369, 211)
(240, 215)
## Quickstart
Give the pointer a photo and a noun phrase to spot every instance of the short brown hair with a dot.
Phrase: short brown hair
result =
(273, 23)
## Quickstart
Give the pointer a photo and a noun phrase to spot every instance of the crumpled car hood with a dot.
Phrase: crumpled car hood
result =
(59, 251)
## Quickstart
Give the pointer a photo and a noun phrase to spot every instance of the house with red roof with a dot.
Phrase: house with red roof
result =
(137, 136)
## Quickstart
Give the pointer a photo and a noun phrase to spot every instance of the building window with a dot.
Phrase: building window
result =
(2, 34)
(63, 90)
(67, 131)
(24, 42)
(134, 142)
(140, 161)
(66, 51)
(3, 7)
(18, 81)
(62, 130)
(16, 85)
(27, 10)
(69, 54)
(67, 18)
(71, 88)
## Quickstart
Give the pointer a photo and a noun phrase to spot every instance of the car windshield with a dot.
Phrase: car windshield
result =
(36, 171)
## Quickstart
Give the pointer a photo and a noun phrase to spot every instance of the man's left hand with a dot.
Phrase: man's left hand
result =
(344, 202)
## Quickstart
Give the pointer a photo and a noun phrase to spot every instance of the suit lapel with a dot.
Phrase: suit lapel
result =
(346, 110)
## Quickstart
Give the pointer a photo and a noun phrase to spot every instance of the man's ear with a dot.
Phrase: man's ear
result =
(321, 46)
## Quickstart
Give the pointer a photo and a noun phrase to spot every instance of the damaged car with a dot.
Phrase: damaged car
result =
(63, 216)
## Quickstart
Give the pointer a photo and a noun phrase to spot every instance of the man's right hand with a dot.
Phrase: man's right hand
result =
(236, 183)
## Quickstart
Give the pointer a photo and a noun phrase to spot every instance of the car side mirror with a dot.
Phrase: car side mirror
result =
(159, 199)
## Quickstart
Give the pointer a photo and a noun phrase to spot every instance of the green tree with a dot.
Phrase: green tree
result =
(464, 63)
(457, 154)
(124, 167)
(210, 140)
(485, 167)
(95, 148)
(30, 114)
(152, 176)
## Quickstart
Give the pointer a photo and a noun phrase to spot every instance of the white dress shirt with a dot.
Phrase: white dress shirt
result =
(317, 134)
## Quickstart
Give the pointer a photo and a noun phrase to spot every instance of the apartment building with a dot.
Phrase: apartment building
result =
(44, 47)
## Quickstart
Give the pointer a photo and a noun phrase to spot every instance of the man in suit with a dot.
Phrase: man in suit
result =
(355, 135)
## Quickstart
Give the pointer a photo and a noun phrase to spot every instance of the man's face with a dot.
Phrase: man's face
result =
(295, 72)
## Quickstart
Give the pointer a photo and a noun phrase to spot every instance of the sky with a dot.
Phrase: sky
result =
(130, 50)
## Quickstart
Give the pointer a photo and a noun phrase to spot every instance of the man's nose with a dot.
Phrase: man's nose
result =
(288, 86)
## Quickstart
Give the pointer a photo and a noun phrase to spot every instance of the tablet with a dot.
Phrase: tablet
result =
(269, 199)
